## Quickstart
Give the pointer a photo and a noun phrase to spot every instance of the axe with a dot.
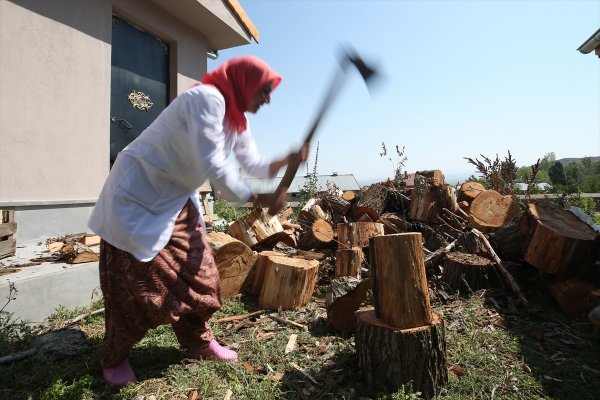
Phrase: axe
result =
(349, 58)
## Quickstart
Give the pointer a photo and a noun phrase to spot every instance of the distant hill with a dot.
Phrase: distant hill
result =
(568, 160)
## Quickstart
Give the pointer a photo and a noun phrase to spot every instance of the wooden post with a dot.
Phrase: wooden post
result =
(399, 280)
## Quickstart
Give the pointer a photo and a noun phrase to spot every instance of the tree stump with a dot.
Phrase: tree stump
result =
(469, 191)
(316, 236)
(357, 234)
(256, 276)
(491, 210)
(349, 262)
(234, 261)
(559, 243)
(288, 283)
(344, 297)
(400, 290)
(467, 273)
(390, 357)
(508, 241)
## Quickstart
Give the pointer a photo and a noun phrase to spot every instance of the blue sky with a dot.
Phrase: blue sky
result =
(461, 79)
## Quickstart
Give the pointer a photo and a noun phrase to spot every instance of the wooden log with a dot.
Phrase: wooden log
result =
(349, 262)
(8, 227)
(357, 234)
(256, 276)
(575, 297)
(234, 261)
(469, 190)
(508, 241)
(491, 210)
(336, 204)
(90, 240)
(257, 228)
(76, 253)
(316, 236)
(312, 211)
(343, 298)
(393, 223)
(434, 177)
(374, 198)
(467, 273)
(284, 215)
(400, 291)
(390, 357)
(350, 196)
(427, 202)
(558, 243)
(469, 242)
(288, 283)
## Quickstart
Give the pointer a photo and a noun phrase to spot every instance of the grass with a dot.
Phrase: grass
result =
(493, 352)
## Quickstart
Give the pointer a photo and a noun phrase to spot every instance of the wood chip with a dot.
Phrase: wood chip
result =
(228, 395)
(291, 344)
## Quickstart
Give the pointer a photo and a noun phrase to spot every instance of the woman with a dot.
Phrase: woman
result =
(155, 265)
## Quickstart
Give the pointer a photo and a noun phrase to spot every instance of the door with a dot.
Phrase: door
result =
(139, 83)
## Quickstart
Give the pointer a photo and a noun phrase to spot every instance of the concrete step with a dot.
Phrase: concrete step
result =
(42, 289)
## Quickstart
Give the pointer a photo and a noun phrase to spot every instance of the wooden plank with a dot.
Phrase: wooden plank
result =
(8, 248)
(8, 229)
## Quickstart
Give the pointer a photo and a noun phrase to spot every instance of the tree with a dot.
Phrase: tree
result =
(573, 173)
(556, 173)
(547, 161)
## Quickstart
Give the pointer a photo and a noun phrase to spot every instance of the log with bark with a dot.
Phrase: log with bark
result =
(467, 273)
(433, 177)
(357, 234)
(379, 198)
(575, 297)
(400, 291)
(508, 241)
(318, 235)
(558, 242)
(254, 280)
(288, 282)
(393, 223)
(390, 357)
(76, 253)
(491, 210)
(336, 204)
(427, 202)
(343, 298)
(468, 191)
(349, 262)
(234, 261)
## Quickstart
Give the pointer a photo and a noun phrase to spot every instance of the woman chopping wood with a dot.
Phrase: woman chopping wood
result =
(155, 265)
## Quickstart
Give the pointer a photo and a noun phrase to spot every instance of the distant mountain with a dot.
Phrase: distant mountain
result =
(568, 160)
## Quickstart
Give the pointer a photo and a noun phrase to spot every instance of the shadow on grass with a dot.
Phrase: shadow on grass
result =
(78, 377)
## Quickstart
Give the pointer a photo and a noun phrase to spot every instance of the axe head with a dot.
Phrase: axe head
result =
(350, 56)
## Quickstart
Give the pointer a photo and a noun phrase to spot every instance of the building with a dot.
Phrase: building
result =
(591, 44)
(79, 80)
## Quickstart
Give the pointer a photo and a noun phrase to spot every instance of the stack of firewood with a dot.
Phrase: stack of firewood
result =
(470, 235)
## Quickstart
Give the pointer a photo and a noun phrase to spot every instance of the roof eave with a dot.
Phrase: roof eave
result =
(591, 43)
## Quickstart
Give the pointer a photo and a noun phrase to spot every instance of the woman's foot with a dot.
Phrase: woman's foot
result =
(214, 351)
(119, 375)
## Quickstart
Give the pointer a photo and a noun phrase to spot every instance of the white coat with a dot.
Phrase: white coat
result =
(156, 174)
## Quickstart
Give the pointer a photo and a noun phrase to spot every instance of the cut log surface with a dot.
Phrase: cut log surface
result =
(317, 235)
(491, 210)
(257, 228)
(390, 357)
(559, 243)
(467, 273)
(288, 283)
(357, 234)
(469, 191)
(234, 261)
(77, 253)
(400, 289)
(344, 297)
(349, 195)
(349, 262)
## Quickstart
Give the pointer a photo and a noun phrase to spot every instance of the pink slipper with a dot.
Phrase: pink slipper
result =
(119, 375)
(213, 351)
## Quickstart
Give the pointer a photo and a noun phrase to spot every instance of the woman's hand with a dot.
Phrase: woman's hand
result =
(275, 202)
(295, 157)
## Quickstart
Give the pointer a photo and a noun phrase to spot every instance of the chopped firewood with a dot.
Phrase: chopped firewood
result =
(357, 234)
(349, 195)
(285, 214)
(288, 282)
(77, 253)
(90, 240)
(256, 276)
(258, 228)
(317, 235)
(427, 201)
(55, 246)
(469, 191)
(344, 297)
(336, 204)
(349, 262)
(291, 344)
(234, 260)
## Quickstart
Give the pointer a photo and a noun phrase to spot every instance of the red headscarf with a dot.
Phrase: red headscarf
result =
(238, 80)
